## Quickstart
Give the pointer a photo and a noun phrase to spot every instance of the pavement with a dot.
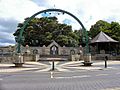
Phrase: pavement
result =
(60, 66)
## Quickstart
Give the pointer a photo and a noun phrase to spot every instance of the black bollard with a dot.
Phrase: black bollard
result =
(106, 58)
(53, 66)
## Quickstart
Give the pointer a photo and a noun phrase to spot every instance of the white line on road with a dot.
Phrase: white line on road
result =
(102, 75)
(51, 74)
(83, 76)
(118, 73)
(1, 79)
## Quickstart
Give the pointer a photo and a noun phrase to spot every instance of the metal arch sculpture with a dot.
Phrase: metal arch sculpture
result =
(52, 10)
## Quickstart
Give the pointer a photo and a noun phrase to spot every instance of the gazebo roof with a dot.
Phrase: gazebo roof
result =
(102, 37)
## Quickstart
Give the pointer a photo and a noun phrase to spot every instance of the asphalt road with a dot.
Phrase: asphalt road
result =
(82, 80)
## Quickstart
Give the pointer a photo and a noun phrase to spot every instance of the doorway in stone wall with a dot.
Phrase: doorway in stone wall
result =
(54, 50)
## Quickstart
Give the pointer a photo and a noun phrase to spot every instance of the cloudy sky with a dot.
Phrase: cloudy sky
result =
(88, 11)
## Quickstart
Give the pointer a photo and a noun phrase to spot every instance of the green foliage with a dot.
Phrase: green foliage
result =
(42, 31)
(112, 29)
(99, 26)
(115, 30)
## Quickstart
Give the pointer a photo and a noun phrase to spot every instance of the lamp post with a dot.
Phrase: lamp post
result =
(18, 56)
(87, 54)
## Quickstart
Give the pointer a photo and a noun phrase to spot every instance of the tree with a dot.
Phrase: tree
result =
(115, 30)
(99, 26)
(42, 31)
(112, 29)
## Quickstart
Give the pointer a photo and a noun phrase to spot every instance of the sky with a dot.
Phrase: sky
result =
(88, 12)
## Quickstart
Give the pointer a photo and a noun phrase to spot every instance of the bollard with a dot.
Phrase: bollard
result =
(53, 65)
(106, 58)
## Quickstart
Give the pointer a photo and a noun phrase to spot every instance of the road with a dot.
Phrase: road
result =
(80, 80)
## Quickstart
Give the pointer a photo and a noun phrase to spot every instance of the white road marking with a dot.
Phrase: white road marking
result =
(102, 75)
(51, 74)
(118, 73)
(117, 88)
(1, 79)
(43, 70)
(83, 76)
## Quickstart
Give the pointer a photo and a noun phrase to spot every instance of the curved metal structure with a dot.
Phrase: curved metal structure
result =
(52, 10)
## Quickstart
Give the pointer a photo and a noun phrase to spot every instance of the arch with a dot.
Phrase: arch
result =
(54, 50)
(52, 10)
(35, 51)
(72, 52)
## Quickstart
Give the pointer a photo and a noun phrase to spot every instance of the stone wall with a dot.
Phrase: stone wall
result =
(7, 59)
(46, 50)
(102, 57)
(28, 58)
(11, 58)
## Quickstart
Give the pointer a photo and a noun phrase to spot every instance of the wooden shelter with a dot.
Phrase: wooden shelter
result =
(102, 43)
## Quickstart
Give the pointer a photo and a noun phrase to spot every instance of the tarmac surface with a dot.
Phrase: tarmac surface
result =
(70, 75)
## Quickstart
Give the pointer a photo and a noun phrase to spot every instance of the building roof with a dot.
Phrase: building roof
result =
(102, 37)
(53, 43)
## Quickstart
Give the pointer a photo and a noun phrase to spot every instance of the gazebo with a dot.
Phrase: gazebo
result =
(102, 43)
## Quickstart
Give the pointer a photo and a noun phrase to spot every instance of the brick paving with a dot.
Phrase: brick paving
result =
(89, 83)
(101, 80)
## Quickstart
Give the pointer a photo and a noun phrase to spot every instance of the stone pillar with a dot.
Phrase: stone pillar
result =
(81, 52)
(37, 57)
(18, 60)
(87, 60)
(27, 49)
